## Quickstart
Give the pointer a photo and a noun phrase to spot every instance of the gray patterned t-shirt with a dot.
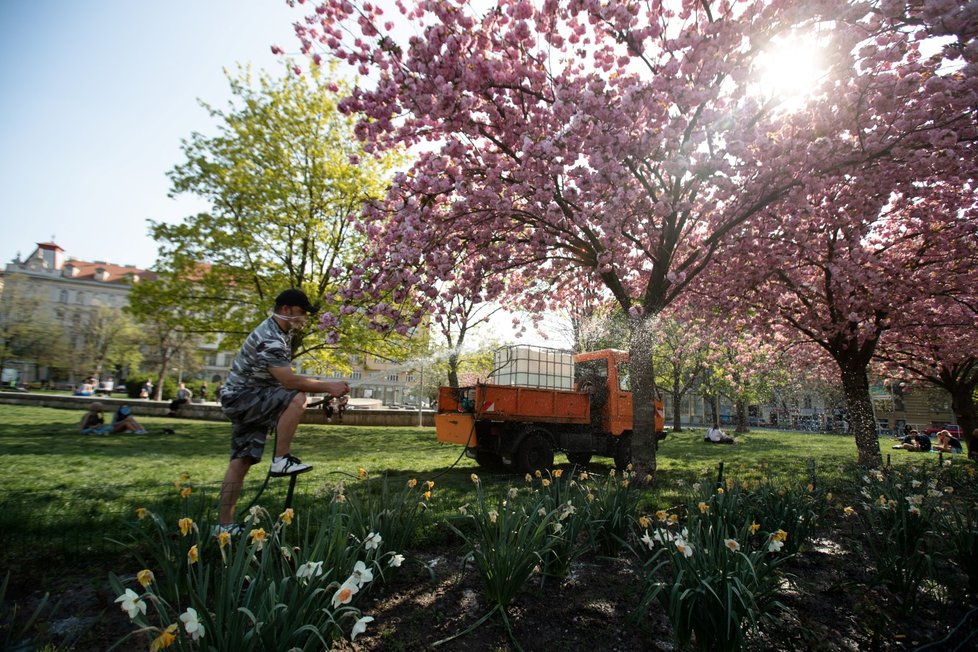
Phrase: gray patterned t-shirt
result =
(267, 346)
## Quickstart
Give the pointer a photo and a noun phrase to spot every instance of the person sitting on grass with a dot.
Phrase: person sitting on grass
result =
(93, 423)
(125, 422)
(947, 443)
(716, 436)
(917, 441)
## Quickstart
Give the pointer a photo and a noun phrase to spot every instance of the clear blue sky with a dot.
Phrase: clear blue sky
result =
(96, 97)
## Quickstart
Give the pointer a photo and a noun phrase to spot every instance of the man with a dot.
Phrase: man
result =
(261, 390)
(183, 397)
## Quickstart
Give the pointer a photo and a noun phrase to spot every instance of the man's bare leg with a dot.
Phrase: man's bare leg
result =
(288, 422)
(231, 488)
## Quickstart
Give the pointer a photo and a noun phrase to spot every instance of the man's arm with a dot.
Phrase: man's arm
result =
(292, 380)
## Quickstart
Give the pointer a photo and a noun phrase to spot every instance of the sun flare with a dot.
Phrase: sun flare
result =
(788, 70)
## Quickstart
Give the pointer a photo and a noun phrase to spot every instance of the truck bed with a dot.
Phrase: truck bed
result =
(524, 404)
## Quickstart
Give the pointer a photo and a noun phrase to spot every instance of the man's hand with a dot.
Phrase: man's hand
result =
(338, 388)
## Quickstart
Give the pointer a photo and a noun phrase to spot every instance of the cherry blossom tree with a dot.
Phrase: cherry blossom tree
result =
(938, 345)
(842, 283)
(619, 143)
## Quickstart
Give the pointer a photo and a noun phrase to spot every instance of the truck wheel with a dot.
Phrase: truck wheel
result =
(580, 459)
(488, 460)
(535, 453)
(623, 452)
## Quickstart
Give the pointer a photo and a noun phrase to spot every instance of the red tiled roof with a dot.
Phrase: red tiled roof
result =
(117, 273)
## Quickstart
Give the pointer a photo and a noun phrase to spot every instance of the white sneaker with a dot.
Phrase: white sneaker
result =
(288, 465)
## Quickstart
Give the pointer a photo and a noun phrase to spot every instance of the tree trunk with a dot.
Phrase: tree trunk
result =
(963, 404)
(643, 396)
(742, 425)
(714, 410)
(453, 369)
(158, 390)
(677, 399)
(859, 408)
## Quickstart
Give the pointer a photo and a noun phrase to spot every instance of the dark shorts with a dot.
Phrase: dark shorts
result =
(252, 412)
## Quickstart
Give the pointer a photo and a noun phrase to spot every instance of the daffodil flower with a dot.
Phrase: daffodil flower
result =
(426, 496)
(145, 577)
(412, 483)
(647, 540)
(684, 547)
(186, 524)
(373, 541)
(223, 538)
(703, 507)
(493, 515)
(430, 484)
(644, 522)
(192, 624)
(513, 492)
(362, 473)
(396, 561)
(558, 473)
(287, 516)
(131, 604)
(344, 594)
(537, 474)
(360, 627)
(257, 536)
(662, 515)
(254, 515)
(141, 513)
(361, 574)
(165, 639)
(754, 527)
(185, 492)
(474, 478)
(545, 482)
(309, 570)
(848, 511)
(775, 546)
(731, 544)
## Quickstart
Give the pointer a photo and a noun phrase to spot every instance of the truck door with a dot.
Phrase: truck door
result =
(591, 376)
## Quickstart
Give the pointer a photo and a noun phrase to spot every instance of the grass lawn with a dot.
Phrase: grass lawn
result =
(63, 493)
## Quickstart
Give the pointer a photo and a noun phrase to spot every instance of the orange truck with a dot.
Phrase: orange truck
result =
(586, 412)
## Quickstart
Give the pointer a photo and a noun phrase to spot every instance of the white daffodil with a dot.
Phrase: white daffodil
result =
(360, 627)
(345, 593)
(132, 604)
(647, 540)
(493, 515)
(396, 561)
(361, 574)
(254, 515)
(731, 544)
(373, 541)
(775, 546)
(192, 624)
(513, 492)
(915, 484)
(683, 546)
(309, 570)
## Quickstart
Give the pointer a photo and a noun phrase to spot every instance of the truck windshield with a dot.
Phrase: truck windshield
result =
(591, 374)
(624, 379)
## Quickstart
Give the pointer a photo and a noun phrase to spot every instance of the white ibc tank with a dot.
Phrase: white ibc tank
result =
(533, 366)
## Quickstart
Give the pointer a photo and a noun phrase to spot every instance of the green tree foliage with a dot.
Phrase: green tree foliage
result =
(286, 181)
(109, 339)
(169, 325)
(26, 331)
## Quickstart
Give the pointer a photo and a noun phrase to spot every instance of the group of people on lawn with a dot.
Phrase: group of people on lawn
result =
(912, 440)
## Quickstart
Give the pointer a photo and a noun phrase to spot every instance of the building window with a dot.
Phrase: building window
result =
(409, 378)
(392, 378)
(808, 403)
(355, 375)
(80, 297)
(64, 297)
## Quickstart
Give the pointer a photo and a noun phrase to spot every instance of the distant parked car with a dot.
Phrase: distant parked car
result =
(952, 428)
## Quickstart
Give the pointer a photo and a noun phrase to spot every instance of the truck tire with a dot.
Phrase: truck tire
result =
(489, 460)
(623, 452)
(580, 459)
(535, 453)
